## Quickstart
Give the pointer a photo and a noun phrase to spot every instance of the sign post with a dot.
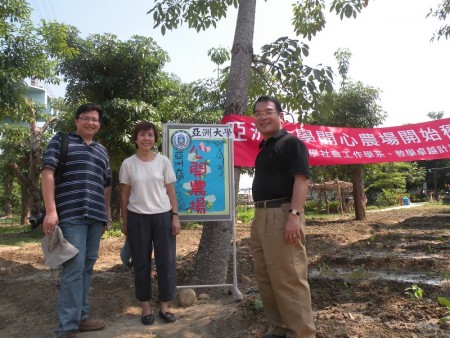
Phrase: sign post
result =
(202, 158)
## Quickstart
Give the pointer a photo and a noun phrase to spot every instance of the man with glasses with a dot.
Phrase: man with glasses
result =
(79, 205)
(277, 237)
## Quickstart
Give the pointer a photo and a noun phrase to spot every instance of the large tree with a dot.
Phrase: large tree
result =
(297, 85)
(355, 105)
(126, 78)
(106, 68)
(26, 51)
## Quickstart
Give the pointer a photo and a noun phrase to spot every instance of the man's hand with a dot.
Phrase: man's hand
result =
(293, 231)
(49, 223)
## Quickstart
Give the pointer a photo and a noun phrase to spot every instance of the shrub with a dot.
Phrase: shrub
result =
(386, 198)
(245, 214)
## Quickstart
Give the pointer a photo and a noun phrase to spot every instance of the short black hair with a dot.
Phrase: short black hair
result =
(143, 126)
(266, 98)
(84, 108)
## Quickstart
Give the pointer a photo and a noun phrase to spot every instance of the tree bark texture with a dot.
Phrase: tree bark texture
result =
(8, 189)
(241, 59)
(358, 192)
(115, 196)
(31, 193)
(211, 262)
(33, 173)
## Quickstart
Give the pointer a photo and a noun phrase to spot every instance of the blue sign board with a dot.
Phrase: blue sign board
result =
(202, 157)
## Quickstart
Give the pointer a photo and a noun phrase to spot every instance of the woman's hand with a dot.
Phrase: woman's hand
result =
(176, 227)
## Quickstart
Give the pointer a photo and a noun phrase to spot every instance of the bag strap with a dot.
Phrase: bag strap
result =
(62, 156)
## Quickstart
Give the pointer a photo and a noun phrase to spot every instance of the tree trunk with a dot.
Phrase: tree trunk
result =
(8, 188)
(33, 173)
(31, 193)
(115, 196)
(24, 208)
(211, 262)
(358, 192)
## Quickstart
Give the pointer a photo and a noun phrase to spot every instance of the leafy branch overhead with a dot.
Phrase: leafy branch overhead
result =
(199, 15)
(309, 15)
(281, 66)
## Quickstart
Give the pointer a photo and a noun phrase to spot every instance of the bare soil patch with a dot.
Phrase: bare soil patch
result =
(359, 271)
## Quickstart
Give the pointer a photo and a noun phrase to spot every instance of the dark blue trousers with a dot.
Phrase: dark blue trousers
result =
(145, 233)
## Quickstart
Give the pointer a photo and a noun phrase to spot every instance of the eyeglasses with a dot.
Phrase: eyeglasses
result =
(258, 115)
(89, 119)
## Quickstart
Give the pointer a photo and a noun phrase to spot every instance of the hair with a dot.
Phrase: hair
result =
(87, 107)
(143, 126)
(266, 98)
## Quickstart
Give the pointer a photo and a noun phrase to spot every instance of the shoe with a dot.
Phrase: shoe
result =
(272, 335)
(68, 335)
(148, 320)
(91, 325)
(168, 317)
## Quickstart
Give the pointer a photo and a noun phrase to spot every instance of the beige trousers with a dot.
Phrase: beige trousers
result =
(281, 273)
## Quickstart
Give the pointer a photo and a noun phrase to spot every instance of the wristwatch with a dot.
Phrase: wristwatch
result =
(175, 213)
(294, 212)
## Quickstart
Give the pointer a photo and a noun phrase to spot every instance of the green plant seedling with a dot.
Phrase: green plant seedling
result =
(359, 271)
(414, 292)
(445, 275)
(446, 302)
(258, 303)
(323, 268)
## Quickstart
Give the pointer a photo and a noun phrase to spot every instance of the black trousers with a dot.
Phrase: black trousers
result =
(145, 233)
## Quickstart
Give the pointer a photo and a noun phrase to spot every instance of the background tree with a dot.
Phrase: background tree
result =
(435, 115)
(219, 56)
(441, 13)
(106, 68)
(386, 183)
(434, 179)
(26, 51)
(355, 106)
(14, 145)
(125, 78)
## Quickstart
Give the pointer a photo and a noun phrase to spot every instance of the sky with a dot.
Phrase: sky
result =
(389, 42)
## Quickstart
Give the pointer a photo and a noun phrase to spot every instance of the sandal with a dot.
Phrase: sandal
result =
(148, 320)
(168, 317)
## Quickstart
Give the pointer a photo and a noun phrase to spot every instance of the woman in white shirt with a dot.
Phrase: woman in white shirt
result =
(150, 220)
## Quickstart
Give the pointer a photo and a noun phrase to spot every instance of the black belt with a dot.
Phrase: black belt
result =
(276, 203)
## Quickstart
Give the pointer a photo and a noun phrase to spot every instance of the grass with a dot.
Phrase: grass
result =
(18, 235)
(12, 234)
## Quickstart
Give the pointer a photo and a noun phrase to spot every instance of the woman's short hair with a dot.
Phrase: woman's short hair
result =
(144, 126)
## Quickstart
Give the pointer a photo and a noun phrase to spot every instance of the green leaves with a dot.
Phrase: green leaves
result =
(347, 8)
(446, 302)
(200, 14)
(414, 292)
(297, 85)
(103, 68)
(309, 17)
(26, 51)
(441, 13)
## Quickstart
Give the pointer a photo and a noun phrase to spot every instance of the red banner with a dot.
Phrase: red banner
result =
(337, 145)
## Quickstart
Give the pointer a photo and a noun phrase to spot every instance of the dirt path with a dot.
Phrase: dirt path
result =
(359, 271)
